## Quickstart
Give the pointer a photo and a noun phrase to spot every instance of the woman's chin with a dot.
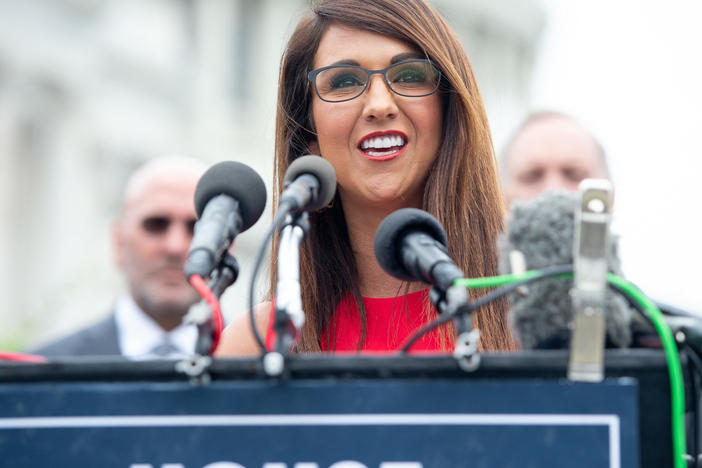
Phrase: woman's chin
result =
(388, 200)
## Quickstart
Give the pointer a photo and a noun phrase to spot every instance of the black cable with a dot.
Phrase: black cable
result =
(425, 329)
(277, 221)
(489, 297)
(503, 290)
(696, 373)
(508, 288)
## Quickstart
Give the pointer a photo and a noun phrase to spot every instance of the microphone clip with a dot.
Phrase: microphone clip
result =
(455, 302)
(196, 366)
(225, 274)
(466, 352)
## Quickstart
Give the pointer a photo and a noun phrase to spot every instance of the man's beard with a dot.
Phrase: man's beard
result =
(168, 310)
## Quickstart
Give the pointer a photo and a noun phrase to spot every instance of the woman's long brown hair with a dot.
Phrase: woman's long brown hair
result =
(465, 166)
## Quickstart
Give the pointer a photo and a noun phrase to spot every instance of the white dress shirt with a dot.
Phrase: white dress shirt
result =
(138, 334)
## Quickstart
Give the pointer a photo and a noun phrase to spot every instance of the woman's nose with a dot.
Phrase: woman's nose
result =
(379, 100)
(177, 239)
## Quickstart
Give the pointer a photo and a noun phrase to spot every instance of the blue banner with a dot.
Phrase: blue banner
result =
(319, 423)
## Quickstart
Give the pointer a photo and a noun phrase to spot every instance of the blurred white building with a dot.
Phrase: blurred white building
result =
(89, 89)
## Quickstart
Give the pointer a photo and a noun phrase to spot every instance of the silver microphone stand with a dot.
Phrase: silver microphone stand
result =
(289, 316)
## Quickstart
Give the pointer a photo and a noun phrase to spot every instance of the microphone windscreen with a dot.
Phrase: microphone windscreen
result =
(319, 168)
(386, 243)
(238, 181)
(543, 230)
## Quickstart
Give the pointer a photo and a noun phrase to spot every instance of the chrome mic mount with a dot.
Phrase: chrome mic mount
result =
(591, 243)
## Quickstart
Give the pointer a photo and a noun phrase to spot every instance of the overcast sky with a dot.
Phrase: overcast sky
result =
(631, 71)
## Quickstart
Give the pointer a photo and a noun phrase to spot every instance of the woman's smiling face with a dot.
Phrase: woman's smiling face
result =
(381, 144)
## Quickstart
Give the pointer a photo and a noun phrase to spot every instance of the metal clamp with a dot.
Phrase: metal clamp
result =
(455, 302)
(466, 352)
(195, 367)
(591, 244)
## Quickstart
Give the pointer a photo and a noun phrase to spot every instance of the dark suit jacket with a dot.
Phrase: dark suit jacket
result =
(97, 340)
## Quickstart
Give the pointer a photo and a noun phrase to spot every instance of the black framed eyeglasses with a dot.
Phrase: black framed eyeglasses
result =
(158, 225)
(411, 78)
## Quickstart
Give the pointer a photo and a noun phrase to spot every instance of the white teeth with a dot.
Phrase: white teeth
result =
(380, 153)
(383, 142)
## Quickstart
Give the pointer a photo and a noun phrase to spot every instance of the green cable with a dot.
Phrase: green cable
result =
(677, 390)
(674, 370)
(494, 281)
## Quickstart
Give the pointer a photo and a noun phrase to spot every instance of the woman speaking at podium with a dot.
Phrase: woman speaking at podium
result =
(383, 90)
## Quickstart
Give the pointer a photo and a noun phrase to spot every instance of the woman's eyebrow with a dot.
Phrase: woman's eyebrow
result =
(405, 56)
(397, 58)
(345, 62)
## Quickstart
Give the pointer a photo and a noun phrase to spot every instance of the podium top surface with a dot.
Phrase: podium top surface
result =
(550, 364)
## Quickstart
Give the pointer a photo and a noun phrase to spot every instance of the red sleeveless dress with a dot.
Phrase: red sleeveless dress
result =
(390, 322)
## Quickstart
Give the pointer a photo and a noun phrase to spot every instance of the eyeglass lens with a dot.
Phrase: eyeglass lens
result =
(160, 224)
(340, 83)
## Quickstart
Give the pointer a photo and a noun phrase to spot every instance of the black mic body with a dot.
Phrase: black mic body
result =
(410, 244)
(427, 260)
(310, 184)
(229, 199)
(543, 230)
(219, 224)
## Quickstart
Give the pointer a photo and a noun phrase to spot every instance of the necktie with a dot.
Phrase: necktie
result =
(165, 349)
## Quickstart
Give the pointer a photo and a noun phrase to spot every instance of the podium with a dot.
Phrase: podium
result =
(516, 410)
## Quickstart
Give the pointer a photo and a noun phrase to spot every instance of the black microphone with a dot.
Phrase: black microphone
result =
(410, 244)
(310, 184)
(229, 199)
(543, 230)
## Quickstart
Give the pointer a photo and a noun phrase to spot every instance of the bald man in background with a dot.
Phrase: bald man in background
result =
(549, 151)
(150, 242)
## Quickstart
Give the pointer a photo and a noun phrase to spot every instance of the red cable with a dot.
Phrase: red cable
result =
(204, 290)
(21, 357)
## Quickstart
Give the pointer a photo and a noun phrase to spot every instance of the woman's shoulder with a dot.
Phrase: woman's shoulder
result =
(238, 339)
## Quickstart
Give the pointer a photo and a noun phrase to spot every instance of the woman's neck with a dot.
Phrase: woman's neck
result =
(362, 223)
